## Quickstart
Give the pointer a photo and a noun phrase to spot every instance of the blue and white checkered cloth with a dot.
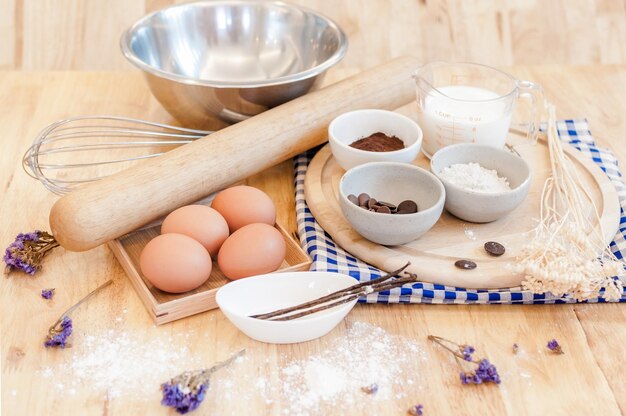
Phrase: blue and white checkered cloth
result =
(327, 256)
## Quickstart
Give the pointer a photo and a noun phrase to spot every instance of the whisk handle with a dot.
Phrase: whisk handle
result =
(109, 208)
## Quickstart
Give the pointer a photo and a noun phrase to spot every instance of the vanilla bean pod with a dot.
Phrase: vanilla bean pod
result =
(343, 299)
(317, 309)
(332, 296)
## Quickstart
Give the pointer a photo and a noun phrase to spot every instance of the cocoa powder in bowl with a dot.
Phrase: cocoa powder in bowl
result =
(378, 142)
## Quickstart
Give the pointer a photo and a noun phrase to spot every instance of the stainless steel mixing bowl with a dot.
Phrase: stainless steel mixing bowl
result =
(231, 59)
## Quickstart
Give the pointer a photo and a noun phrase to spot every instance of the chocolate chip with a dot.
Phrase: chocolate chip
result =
(388, 205)
(407, 207)
(465, 264)
(371, 204)
(494, 248)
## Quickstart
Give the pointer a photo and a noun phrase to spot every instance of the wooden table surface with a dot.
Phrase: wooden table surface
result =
(588, 379)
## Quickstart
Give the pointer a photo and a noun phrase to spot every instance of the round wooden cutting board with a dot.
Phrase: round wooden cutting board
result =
(432, 256)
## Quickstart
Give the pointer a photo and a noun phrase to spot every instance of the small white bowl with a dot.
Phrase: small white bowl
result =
(480, 207)
(392, 182)
(269, 292)
(354, 125)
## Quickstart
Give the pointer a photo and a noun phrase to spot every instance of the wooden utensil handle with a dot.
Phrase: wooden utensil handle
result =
(121, 203)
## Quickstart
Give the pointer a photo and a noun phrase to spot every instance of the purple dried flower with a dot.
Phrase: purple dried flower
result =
(485, 371)
(371, 389)
(47, 293)
(467, 351)
(58, 334)
(182, 398)
(33, 236)
(554, 346)
(186, 391)
(60, 331)
(417, 410)
(515, 348)
(466, 378)
(27, 251)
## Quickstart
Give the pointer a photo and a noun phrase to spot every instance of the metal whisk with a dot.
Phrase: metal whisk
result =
(106, 144)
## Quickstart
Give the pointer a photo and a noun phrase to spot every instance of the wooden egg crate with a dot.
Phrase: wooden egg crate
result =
(167, 307)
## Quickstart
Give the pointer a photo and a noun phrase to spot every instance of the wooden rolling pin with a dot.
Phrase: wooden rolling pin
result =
(121, 203)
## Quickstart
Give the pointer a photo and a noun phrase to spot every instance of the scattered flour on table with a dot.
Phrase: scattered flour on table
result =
(474, 177)
(122, 363)
(469, 233)
(118, 363)
(333, 377)
(519, 366)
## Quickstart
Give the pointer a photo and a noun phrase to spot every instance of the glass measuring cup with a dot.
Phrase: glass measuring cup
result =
(465, 102)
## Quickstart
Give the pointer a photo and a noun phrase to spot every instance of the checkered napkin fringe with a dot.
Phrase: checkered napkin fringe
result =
(327, 256)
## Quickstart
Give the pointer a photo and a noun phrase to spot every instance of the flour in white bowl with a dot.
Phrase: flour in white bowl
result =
(474, 177)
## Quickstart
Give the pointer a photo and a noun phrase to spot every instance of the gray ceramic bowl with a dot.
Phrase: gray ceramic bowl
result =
(476, 206)
(392, 182)
(231, 60)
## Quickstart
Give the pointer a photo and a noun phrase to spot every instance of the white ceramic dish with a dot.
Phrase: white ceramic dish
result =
(354, 125)
(477, 206)
(392, 182)
(266, 293)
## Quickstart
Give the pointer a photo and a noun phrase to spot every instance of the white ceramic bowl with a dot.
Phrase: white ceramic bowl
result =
(392, 182)
(354, 125)
(477, 206)
(266, 293)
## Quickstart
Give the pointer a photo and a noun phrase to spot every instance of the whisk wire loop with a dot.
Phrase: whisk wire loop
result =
(101, 135)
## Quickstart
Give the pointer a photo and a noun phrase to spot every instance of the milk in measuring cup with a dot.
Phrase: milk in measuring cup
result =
(461, 115)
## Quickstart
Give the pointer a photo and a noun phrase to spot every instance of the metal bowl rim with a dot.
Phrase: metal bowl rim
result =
(309, 73)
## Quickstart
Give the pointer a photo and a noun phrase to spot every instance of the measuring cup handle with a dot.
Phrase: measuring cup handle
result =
(533, 92)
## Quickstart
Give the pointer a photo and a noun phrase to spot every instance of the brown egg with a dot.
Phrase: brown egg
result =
(200, 222)
(251, 250)
(175, 263)
(243, 205)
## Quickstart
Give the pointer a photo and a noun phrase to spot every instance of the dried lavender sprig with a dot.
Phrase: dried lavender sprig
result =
(485, 371)
(27, 251)
(62, 328)
(417, 410)
(459, 351)
(324, 306)
(554, 346)
(468, 350)
(370, 388)
(47, 293)
(332, 296)
(59, 333)
(186, 391)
